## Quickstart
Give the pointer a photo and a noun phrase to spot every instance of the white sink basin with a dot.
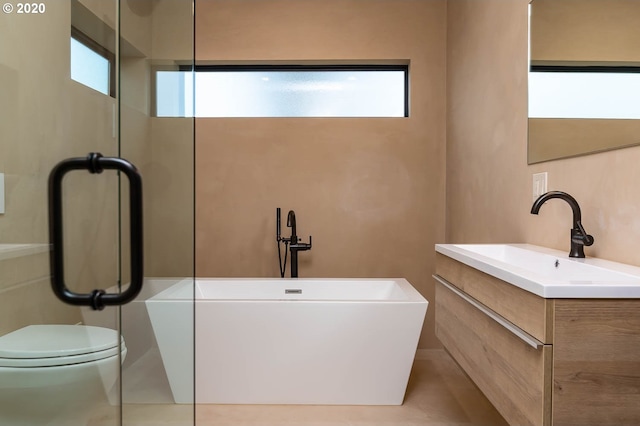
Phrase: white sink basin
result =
(548, 273)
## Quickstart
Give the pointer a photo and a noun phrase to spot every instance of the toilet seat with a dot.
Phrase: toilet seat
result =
(55, 345)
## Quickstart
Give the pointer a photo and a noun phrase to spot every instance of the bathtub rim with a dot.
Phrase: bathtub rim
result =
(411, 293)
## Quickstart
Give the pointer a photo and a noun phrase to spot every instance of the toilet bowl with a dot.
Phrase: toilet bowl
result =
(57, 374)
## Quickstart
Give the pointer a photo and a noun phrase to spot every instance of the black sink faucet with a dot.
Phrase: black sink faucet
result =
(579, 237)
(293, 242)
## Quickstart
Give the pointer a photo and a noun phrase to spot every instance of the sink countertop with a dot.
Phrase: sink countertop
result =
(547, 272)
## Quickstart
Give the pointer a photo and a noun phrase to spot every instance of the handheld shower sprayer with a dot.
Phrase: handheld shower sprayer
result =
(278, 224)
(279, 239)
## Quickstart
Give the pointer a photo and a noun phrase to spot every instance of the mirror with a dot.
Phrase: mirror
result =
(584, 79)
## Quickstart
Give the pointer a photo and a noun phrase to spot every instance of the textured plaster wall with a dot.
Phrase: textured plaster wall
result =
(370, 190)
(46, 117)
(488, 180)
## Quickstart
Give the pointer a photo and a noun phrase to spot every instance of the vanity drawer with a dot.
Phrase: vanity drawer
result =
(527, 311)
(513, 375)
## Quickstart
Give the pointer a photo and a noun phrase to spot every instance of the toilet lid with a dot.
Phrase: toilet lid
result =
(49, 345)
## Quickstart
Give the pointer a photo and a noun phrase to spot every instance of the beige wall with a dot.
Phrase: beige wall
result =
(593, 32)
(370, 190)
(162, 148)
(169, 183)
(552, 138)
(585, 30)
(169, 171)
(488, 181)
(48, 118)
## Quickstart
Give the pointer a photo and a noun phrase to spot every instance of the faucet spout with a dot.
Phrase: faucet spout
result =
(579, 237)
(577, 214)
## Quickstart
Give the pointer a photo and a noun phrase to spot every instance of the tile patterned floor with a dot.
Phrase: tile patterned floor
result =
(438, 394)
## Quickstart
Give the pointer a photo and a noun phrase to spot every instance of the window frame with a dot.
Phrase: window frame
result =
(97, 48)
(286, 68)
(617, 69)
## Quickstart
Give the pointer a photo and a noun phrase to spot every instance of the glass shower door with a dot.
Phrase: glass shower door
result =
(157, 388)
(49, 112)
(75, 78)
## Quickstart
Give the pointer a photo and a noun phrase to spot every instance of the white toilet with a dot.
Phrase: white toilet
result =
(57, 374)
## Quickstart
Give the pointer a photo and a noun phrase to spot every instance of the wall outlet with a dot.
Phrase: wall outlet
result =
(539, 184)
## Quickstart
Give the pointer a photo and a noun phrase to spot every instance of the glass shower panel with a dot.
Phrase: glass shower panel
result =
(158, 33)
(45, 117)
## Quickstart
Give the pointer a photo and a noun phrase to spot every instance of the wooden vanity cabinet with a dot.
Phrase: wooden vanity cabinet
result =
(541, 361)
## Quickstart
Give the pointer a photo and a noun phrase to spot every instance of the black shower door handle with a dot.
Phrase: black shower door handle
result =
(95, 163)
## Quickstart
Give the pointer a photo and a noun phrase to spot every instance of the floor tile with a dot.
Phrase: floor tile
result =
(438, 394)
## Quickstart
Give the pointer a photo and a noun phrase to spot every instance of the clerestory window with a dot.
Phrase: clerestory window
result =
(283, 91)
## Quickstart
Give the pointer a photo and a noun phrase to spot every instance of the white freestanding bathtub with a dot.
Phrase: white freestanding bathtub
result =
(289, 341)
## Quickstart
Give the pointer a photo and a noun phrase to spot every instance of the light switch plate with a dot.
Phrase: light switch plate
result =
(539, 184)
